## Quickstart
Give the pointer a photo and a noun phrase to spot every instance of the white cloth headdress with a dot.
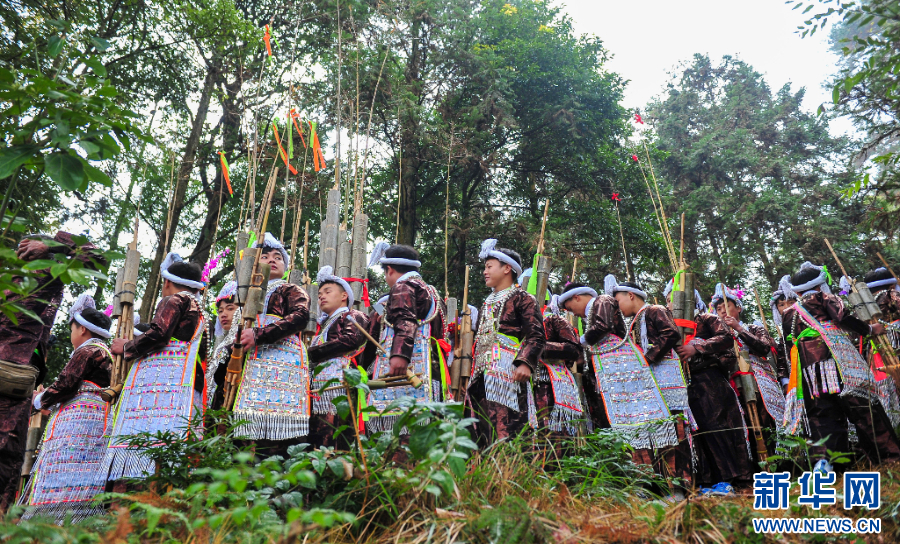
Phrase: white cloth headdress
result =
(820, 280)
(611, 286)
(270, 242)
(379, 304)
(377, 257)
(327, 274)
(171, 259)
(722, 291)
(489, 251)
(561, 299)
(879, 283)
(82, 303)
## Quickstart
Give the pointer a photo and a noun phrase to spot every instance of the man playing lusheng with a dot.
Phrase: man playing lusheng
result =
(758, 344)
(723, 449)
(333, 349)
(837, 384)
(274, 391)
(508, 345)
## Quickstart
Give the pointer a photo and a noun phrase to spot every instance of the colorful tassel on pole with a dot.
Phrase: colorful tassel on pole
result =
(267, 37)
(294, 117)
(281, 150)
(225, 173)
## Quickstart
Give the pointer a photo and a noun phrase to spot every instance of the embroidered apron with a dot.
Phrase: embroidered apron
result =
(158, 395)
(630, 393)
(495, 353)
(420, 363)
(274, 392)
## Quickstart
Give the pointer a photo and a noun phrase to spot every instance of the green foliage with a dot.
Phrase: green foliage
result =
(56, 119)
(740, 164)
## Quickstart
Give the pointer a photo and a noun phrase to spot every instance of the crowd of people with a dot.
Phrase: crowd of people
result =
(698, 408)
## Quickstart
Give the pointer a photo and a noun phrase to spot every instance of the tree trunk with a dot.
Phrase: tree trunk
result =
(409, 121)
(230, 134)
(148, 302)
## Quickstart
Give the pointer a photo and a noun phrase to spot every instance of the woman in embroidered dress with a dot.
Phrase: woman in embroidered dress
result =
(508, 345)
(227, 314)
(830, 382)
(779, 303)
(334, 348)
(67, 474)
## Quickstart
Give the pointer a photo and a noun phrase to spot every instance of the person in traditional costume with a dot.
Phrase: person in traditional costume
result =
(411, 335)
(227, 314)
(334, 348)
(883, 286)
(755, 341)
(68, 474)
(508, 346)
(557, 401)
(23, 349)
(830, 381)
(779, 303)
(656, 333)
(164, 387)
(619, 373)
(720, 438)
(575, 297)
(273, 396)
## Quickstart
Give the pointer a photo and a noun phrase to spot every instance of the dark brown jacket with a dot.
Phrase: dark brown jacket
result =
(662, 333)
(562, 343)
(291, 303)
(715, 346)
(605, 319)
(177, 317)
(88, 363)
(343, 338)
(408, 304)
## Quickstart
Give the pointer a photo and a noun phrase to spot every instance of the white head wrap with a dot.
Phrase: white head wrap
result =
(879, 283)
(722, 291)
(820, 280)
(554, 304)
(327, 274)
(270, 242)
(377, 257)
(561, 299)
(137, 321)
(611, 287)
(171, 259)
(489, 251)
(473, 311)
(82, 303)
